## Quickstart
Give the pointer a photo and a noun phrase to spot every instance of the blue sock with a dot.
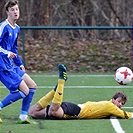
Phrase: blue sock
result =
(27, 101)
(12, 97)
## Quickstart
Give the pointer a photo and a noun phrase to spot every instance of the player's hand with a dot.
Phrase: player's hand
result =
(12, 55)
(22, 68)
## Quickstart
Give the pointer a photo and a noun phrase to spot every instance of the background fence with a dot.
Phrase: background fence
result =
(91, 53)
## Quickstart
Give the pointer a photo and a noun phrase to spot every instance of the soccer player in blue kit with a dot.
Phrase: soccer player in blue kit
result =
(12, 70)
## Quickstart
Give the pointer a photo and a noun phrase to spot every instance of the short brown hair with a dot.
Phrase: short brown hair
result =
(11, 3)
(120, 94)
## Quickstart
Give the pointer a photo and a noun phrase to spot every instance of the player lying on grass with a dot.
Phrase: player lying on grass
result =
(67, 110)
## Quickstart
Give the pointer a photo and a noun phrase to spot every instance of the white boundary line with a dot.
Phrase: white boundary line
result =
(41, 87)
(116, 125)
(127, 107)
(74, 75)
(94, 87)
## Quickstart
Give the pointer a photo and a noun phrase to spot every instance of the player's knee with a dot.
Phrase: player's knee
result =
(34, 85)
(52, 113)
(53, 110)
(26, 91)
(24, 88)
(29, 81)
(32, 113)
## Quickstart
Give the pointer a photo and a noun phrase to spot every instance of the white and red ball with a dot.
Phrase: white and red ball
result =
(123, 75)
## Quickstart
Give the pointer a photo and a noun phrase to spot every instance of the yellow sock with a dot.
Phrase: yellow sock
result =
(58, 97)
(44, 101)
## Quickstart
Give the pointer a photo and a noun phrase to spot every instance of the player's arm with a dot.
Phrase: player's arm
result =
(17, 60)
(5, 52)
(9, 54)
(3, 32)
(115, 111)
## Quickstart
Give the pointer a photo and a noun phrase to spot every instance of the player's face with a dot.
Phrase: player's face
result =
(118, 102)
(13, 13)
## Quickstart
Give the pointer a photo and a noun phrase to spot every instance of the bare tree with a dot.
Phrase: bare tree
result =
(75, 13)
(2, 11)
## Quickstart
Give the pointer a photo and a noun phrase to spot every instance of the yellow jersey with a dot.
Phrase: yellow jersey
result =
(102, 109)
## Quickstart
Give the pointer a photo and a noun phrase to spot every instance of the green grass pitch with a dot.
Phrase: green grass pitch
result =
(78, 89)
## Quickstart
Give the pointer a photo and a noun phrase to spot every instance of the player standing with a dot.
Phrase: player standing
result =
(12, 70)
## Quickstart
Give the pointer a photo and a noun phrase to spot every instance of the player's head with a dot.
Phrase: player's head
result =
(119, 99)
(12, 9)
(10, 4)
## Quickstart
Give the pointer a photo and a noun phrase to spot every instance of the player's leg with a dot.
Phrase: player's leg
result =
(14, 96)
(8, 78)
(55, 109)
(27, 100)
(16, 76)
(13, 81)
(45, 100)
(38, 110)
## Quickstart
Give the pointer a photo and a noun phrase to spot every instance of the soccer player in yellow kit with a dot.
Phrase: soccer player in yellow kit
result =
(68, 110)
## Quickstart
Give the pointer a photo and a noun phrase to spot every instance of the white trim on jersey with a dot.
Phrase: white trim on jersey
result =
(4, 51)
(2, 26)
(10, 24)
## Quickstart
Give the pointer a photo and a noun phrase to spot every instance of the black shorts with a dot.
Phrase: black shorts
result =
(71, 111)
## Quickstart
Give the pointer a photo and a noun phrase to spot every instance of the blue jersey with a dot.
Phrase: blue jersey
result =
(8, 43)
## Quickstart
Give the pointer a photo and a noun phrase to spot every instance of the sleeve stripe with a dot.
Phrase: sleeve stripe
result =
(4, 51)
(2, 26)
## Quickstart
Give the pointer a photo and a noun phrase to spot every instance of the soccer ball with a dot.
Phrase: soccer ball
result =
(123, 75)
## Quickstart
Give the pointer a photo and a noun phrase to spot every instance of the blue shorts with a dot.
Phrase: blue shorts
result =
(12, 78)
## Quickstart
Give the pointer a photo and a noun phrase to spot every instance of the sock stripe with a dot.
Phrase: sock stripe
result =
(22, 94)
(32, 89)
(24, 112)
(1, 105)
